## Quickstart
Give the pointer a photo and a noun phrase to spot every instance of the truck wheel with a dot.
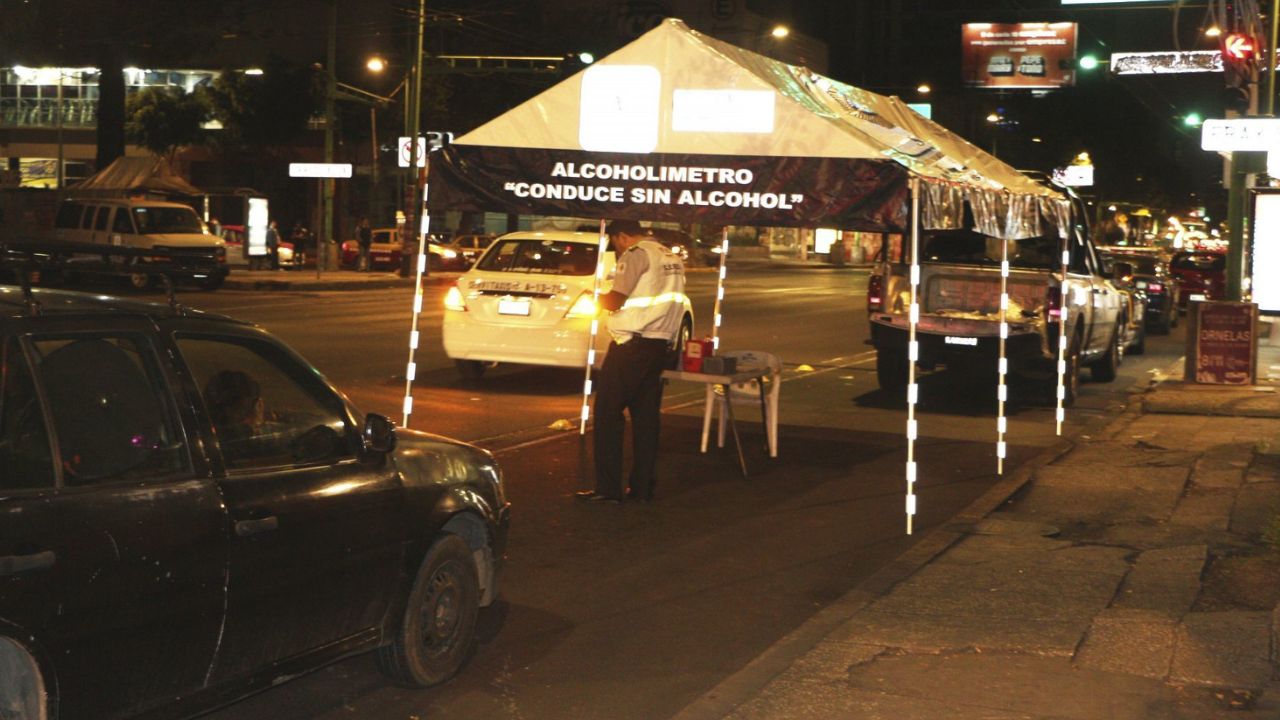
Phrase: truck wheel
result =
(213, 282)
(891, 369)
(438, 630)
(1105, 368)
(470, 369)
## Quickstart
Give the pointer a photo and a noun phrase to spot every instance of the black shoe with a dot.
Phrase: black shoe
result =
(592, 496)
(633, 496)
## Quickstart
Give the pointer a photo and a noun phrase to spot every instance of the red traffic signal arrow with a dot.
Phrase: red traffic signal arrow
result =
(1238, 46)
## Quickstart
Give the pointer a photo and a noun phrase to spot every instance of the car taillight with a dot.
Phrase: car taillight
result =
(1155, 287)
(1053, 303)
(453, 300)
(875, 292)
(583, 307)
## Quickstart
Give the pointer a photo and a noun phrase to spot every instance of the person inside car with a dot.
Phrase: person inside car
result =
(235, 406)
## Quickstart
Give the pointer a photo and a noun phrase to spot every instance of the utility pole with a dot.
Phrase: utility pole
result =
(418, 175)
(331, 83)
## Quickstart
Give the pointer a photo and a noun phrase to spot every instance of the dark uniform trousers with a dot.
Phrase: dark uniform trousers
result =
(630, 379)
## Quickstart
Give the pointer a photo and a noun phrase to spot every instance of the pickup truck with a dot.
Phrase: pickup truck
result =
(959, 297)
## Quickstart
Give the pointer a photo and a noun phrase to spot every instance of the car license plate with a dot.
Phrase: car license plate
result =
(513, 307)
(956, 340)
(1196, 297)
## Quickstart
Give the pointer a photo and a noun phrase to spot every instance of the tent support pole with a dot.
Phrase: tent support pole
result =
(724, 254)
(1002, 368)
(1060, 413)
(595, 330)
(913, 355)
(411, 370)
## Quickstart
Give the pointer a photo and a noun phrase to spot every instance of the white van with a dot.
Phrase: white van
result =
(188, 248)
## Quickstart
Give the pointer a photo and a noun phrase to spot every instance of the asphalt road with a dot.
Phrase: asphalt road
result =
(634, 612)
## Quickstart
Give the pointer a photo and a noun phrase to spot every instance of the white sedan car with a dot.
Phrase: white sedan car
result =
(529, 300)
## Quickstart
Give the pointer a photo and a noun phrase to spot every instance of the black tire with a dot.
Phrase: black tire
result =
(1105, 368)
(1164, 325)
(438, 631)
(470, 369)
(213, 282)
(891, 369)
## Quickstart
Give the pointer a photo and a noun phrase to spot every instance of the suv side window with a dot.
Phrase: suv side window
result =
(111, 409)
(100, 222)
(25, 460)
(69, 215)
(267, 409)
(122, 223)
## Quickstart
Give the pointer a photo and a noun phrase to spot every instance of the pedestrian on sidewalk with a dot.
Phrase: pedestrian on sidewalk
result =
(364, 236)
(647, 308)
(273, 245)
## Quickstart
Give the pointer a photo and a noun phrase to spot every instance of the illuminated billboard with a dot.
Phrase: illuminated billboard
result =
(1018, 56)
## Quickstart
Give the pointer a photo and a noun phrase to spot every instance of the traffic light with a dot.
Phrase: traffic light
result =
(1239, 69)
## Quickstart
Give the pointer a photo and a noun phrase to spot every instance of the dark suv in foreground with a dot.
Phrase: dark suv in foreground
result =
(190, 512)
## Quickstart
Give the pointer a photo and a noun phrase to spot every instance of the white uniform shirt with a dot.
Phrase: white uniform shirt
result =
(652, 278)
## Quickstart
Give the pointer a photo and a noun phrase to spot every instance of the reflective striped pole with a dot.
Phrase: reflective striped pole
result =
(1061, 413)
(913, 355)
(724, 253)
(411, 370)
(1002, 368)
(595, 329)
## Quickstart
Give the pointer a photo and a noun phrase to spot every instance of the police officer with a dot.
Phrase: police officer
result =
(647, 306)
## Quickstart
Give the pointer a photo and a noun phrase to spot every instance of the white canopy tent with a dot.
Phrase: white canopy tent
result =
(679, 126)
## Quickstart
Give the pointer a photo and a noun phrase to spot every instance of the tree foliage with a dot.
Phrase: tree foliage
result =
(165, 119)
(262, 112)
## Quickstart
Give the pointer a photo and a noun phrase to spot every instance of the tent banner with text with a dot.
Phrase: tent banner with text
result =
(854, 194)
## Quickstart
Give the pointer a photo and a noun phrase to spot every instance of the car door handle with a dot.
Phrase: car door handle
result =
(14, 564)
(245, 528)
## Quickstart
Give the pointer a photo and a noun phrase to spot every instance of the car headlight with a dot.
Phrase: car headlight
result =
(449, 254)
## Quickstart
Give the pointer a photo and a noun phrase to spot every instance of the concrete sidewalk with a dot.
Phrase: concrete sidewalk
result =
(1122, 576)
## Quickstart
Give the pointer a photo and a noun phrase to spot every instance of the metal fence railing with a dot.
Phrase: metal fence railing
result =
(43, 112)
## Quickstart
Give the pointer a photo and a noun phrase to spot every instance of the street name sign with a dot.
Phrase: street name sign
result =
(320, 170)
(1240, 135)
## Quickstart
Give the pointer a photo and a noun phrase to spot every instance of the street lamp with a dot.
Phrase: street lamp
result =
(780, 31)
(924, 89)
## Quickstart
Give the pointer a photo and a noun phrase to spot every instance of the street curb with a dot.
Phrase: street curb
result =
(745, 684)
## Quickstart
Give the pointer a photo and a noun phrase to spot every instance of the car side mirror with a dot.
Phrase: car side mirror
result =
(379, 434)
(1122, 271)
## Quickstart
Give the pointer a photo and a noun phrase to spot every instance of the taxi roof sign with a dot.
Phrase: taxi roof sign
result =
(1240, 135)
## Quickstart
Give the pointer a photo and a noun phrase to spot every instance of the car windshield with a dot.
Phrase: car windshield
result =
(1201, 262)
(966, 247)
(531, 255)
(156, 220)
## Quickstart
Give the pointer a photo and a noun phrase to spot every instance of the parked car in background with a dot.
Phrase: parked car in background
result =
(235, 238)
(193, 513)
(1152, 277)
(1201, 275)
(469, 247)
(1133, 304)
(529, 300)
(385, 252)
